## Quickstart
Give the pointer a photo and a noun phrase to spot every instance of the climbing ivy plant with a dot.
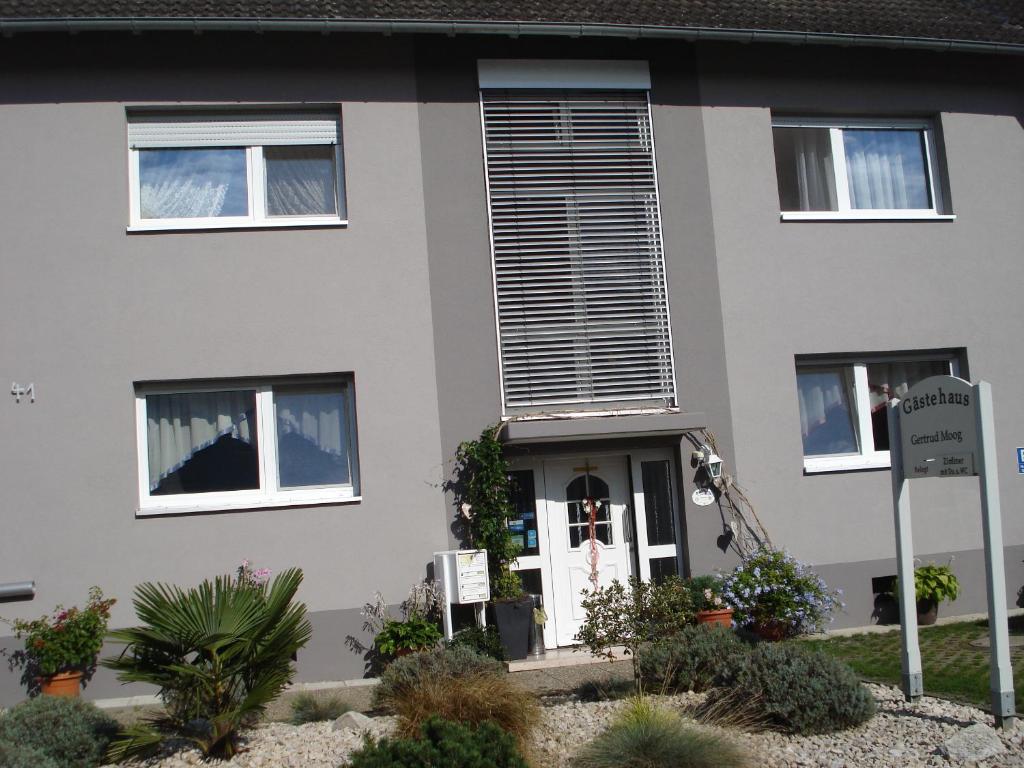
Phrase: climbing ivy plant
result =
(482, 488)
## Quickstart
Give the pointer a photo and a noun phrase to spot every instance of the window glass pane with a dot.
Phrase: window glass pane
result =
(803, 161)
(827, 411)
(886, 168)
(889, 380)
(192, 183)
(201, 442)
(663, 567)
(312, 436)
(523, 523)
(657, 480)
(300, 180)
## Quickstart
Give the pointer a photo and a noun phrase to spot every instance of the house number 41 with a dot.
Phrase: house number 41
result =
(27, 391)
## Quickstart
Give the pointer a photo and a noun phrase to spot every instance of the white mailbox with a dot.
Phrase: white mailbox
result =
(462, 575)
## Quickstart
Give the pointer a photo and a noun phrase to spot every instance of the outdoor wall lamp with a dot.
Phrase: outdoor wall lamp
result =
(710, 460)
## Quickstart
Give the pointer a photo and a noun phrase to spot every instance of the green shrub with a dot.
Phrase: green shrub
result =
(455, 684)
(307, 708)
(443, 743)
(647, 736)
(409, 671)
(795, 690)
(483, 640)
(691, 660)
(219, 653)
(18, 756)
(69, 733)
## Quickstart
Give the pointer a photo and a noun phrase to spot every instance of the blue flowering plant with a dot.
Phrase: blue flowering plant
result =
(774, 594)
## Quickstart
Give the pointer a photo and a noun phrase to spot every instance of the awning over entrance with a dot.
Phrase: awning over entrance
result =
(571, 429)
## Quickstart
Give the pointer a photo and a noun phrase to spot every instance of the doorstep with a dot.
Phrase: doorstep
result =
(563, 657)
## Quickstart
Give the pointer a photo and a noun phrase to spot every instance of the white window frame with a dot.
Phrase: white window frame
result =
(269, 494)
(867, 457)
(257, 197)
(845, 212)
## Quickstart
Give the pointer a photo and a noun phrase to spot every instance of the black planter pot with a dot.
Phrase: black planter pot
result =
(513, 618)
(927, 612)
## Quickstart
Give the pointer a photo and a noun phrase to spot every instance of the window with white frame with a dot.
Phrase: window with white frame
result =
(579, 265)
(843, 420)
(231, 445)
(856, 168)
(202, 170)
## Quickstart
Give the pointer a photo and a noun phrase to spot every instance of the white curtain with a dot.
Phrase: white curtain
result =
(317, 418)
(877, 180)
(181, 425)
(815, 175)
(300, 180)
(824, 395)
(889, 380)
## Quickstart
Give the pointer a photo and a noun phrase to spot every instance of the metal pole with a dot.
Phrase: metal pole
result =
(1000, 672)
(910, 656)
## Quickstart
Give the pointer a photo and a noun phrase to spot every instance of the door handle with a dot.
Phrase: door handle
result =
(627, 525)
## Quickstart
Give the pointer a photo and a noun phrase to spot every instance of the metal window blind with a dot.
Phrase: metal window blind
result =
(231, 130)
(578, 260)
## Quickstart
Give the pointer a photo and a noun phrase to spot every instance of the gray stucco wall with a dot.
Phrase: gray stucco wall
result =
(99, 309)
(793, 288)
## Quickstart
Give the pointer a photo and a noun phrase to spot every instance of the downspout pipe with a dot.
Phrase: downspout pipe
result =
(73, 25)
(18, 590)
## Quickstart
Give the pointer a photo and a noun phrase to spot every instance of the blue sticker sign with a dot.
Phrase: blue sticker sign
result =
(1020, 461)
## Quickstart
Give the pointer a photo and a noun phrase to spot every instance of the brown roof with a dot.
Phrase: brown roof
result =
(981, 21)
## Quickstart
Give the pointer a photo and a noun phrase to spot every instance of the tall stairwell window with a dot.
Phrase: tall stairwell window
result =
(576, 234)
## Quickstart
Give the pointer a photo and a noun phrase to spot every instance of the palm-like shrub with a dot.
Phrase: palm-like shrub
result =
(219, 653)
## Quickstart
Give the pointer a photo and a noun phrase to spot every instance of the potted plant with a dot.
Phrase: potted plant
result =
(706, 594)
(398, 638)
(777, 597)
(933, 584)
(61, 648)
(482, 488)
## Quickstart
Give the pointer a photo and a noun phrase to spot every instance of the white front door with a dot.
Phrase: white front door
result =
(570, 487)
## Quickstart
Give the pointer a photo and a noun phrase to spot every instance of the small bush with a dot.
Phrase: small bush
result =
(455, 684)
(407, 671)
(483, 640)
(70, 733)
(307, 708)
(605, 690)
(647, 736)
(691, 660)
(443, 743)
(18, 756)
(796, 690)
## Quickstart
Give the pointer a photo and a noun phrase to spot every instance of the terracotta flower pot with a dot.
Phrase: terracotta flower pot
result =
(67, 684)
(720, 618)
(772, 631)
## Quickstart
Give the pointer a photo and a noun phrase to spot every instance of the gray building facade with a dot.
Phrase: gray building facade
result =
(396, 304)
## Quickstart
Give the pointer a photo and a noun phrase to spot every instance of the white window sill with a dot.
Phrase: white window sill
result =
(821, 464)
(178, 225)
(866, 216)
(235, 502)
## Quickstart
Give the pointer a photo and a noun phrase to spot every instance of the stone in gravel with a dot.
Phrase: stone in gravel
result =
(353, 721)
(977, 742)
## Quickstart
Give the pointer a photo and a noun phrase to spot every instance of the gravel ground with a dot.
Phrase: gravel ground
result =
(899, 735)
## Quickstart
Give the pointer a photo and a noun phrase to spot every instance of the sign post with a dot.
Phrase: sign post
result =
(913, 684)
(944, 427)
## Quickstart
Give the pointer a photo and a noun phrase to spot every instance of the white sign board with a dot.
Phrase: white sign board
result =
(938, 428)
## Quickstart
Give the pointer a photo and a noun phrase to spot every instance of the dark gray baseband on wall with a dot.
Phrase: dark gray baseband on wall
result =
(326, 657)
(968, 565)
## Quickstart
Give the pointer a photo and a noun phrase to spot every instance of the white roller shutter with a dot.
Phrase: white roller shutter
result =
(576, 234)
(231, 129)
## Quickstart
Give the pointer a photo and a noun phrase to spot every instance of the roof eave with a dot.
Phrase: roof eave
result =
(327, 26)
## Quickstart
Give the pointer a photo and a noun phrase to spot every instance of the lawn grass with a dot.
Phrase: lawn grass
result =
(953, 668)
